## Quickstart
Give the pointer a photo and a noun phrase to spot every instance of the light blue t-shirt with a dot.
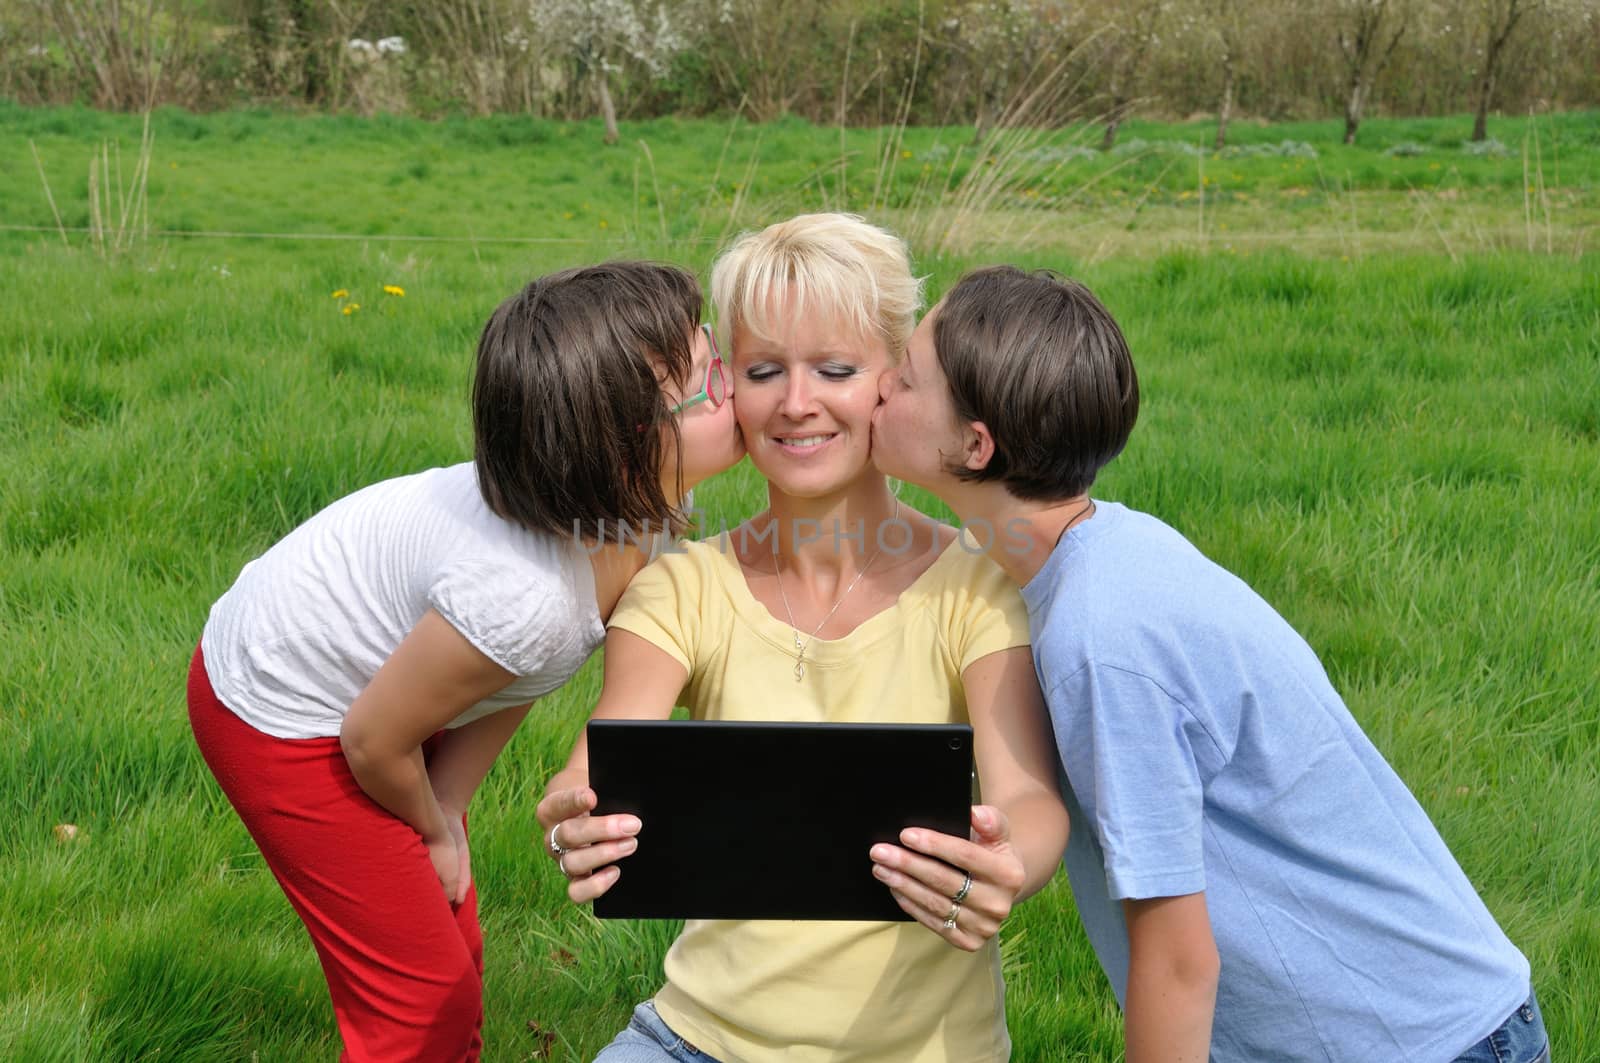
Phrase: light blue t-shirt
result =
(1205, 750)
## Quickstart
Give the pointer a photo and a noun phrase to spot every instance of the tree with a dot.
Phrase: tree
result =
(1227, 28)
(1368, 32)
(1499, 21)
(600, 35)
(1004, 48)
(1127, 41)
(114, 47)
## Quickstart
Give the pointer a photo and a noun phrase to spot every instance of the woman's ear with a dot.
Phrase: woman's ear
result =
(979, 446)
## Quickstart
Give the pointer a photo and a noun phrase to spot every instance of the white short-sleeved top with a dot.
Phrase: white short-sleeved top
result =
(306, 626)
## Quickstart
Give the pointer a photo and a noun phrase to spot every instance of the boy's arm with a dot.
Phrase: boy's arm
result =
(1172, 979)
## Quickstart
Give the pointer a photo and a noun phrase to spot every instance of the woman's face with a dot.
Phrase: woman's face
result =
(915, 432)
(709, 432)
(806, 400)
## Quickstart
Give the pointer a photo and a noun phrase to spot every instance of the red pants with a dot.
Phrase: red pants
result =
(404, 967)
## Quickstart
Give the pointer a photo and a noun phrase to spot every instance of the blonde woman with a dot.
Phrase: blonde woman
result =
(886, 616)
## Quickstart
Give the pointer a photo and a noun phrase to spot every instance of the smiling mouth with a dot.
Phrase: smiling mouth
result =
(803, 442)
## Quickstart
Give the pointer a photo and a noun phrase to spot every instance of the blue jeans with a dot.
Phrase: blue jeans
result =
(1520, 1039)
(648, 1039)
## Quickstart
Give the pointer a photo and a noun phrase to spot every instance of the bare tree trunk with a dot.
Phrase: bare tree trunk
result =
(1499, 34)
(1125, 76)
(1225, 108)
(1352, 109)
(1365, 55)
(1113, 123)
(980, 122)
(608, 110)
(1480, 117)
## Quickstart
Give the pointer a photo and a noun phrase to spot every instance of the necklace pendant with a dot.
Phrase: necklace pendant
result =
(799, 671)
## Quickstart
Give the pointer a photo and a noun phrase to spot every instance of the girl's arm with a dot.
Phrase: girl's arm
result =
(1019, 833)
(456, 769)
(642, 682)
(432, 677)
(465, 755)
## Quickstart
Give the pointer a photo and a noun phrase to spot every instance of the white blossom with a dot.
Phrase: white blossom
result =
(601, 34)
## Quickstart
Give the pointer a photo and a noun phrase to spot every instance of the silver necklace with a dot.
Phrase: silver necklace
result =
(801, 647)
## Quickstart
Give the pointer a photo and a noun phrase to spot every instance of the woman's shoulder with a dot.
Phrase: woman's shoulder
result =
(972, 598)
(962, 565)
(683, 567)
(708, 558)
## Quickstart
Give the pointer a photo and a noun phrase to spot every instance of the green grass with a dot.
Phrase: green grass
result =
(1400, 450)
(683, 185)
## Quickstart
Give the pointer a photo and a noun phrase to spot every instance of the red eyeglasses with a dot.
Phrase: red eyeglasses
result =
(715, 389)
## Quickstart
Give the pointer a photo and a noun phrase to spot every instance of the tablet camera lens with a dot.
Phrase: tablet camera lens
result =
(955, 743)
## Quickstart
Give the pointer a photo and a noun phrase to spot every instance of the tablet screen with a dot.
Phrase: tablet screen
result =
(771, 820)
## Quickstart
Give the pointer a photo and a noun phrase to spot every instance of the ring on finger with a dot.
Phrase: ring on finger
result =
(557, 850)
(561, 862)
(966, 888)
(950, 920)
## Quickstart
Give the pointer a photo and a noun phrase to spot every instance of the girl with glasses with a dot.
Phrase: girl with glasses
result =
(354, 685)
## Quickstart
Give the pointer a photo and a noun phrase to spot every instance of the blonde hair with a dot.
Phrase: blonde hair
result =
(831, 264)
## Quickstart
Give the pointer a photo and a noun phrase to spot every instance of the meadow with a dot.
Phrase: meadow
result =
(1371, 383)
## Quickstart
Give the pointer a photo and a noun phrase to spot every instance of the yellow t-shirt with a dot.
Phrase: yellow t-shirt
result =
(749, 991)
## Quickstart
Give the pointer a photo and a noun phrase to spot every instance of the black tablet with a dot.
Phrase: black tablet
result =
(771, 820)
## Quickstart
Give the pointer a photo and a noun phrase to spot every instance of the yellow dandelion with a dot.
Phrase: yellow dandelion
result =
(905, 155)
(351, 308)
(342, 293)
(604, 224)
(394, 289)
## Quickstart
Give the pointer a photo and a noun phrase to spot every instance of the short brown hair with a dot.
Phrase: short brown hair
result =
(567, 396)
(1044, 366)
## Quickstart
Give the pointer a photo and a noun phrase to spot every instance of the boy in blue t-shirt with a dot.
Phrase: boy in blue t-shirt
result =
(1255, 879)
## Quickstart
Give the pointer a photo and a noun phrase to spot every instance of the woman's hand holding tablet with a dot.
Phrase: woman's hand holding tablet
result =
(586, 848)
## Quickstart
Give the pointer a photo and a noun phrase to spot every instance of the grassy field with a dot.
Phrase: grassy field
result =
(1372, 388)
